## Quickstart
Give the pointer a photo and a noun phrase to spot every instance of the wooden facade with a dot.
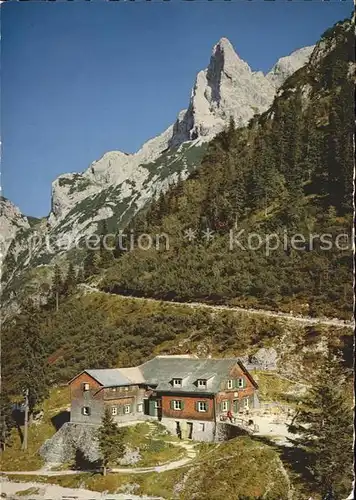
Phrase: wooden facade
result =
(232, 392)
(190, 406)
(88, 402)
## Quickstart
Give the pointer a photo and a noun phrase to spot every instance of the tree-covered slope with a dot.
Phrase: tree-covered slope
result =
(286, 181)
(103, 330)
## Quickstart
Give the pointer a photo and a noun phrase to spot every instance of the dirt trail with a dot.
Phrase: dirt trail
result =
(190, 454)
(308, 320)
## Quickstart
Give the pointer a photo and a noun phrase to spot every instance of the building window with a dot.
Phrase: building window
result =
(201, 427)
(202, 406)
(246, 403)
(202, 383)
(127, 409)
(140, 408)
(113, 410)
(177, 382)
(86, 387)
(177, 405)
(224, 405)
(126, 389)
(86, 411)
(158, 404)
(230, 384)
(241, 383)
(113, 389)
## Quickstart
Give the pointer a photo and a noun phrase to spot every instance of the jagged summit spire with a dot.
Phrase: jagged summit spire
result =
(224, 59)
(229, 88)
(224, 44)
(225, 50)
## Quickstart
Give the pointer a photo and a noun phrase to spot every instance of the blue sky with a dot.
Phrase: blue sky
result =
(80, 79)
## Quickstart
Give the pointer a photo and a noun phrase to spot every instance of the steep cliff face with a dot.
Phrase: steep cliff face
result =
(115, 187)
(227, 88)
(288, 65)
(11, 223)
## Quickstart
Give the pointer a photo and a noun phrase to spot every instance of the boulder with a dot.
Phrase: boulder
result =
(265, 359)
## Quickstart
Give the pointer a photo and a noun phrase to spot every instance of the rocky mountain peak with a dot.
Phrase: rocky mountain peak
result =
(225, 57)
(226, 88)
(224, 44)
(118, 184)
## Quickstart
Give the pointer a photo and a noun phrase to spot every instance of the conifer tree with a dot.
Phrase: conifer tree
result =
(6, 420)
(57, 280)
(31, 370)
(314, 153)
(106, 255)
(231, 133)
(344, 106)
(277, 136)
(292, 132)
(334, 154)
(120, 242)
(324, 429)
(107, 243)
(71, 279)
(90, 264)
(57, 285)
(111, 442)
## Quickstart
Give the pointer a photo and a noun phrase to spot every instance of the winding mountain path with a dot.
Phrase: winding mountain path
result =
(176, 464)
(308, 320)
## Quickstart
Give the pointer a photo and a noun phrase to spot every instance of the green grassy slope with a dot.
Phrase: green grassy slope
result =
(105, 330)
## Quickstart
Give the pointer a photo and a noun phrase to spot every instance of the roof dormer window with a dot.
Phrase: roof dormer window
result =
(201, 383)
(177, 382)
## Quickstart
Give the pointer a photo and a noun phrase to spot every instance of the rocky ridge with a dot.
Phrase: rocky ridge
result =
(227, 88)
(118, 185)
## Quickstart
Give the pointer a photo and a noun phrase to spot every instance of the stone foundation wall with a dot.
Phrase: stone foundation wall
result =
(225, 431)
(201, 431)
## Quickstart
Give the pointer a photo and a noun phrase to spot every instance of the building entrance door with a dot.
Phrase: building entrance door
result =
(178, 430)
(235, 406)
(146, 407)
(189, 430)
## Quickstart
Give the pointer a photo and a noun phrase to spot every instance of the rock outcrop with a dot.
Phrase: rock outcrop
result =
(265, 359)
(79, 442)
(11, 222)
(287, 65)
(70, 439)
